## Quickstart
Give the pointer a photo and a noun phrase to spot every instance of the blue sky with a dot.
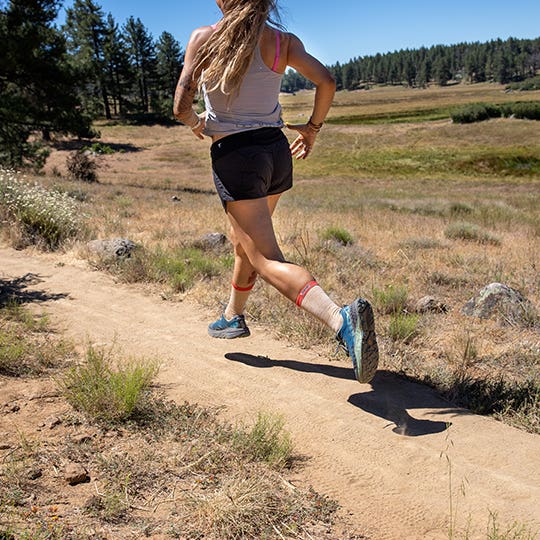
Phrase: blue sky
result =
(339, 30)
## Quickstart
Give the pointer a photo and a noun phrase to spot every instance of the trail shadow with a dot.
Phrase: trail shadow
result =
(16, 291)
(390, 398)
(306, 367)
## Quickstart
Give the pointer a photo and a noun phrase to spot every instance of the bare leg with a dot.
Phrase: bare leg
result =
(244, 274)
(251, 222)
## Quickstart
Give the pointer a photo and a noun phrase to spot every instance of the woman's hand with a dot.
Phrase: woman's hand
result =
(199, 127)
(302, 145)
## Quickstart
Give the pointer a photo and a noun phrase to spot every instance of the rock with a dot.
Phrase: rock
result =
(52, 422)
(114, 248)
(34, 473)
(211, 241)
(431, 304)
(75, 473)
(82, 438)
(500, 301)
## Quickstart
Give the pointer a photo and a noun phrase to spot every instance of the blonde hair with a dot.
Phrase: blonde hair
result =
(227, 54)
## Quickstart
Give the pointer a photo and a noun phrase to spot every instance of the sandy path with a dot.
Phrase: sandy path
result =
(391, 485)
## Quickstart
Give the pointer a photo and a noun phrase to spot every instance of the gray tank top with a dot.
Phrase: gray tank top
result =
(255, 106)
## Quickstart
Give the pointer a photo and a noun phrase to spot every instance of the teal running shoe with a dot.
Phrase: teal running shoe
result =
(225, 329)
(358, 340)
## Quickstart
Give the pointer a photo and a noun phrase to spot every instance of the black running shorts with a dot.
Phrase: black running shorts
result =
(251, 164)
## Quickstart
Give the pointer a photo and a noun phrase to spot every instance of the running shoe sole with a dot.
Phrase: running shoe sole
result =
(367, 351)
(229, 333)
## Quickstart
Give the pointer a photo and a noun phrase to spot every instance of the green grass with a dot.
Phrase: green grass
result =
(179, 268)
(470, 232)
(432, 162)
(391, 117)
(337, 234)
(266, 440)
(27, 345)
(403, 327)
(391, 299)
(107, 390)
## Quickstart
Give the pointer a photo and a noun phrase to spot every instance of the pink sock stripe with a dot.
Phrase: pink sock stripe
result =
(241, 289)
(278, 51)
(304, 291)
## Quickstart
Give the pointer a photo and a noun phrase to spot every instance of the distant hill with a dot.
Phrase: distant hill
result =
(500, 61)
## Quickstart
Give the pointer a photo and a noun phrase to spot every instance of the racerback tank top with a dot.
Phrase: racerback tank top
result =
(256, 104)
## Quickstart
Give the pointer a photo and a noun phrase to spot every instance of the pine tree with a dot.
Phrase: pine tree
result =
(170, 59)
(37, 84)
(120, 77)
(143, 59)
(86, 31)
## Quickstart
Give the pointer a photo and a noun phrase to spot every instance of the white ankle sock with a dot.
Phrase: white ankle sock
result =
(237, 301)
(316, 302)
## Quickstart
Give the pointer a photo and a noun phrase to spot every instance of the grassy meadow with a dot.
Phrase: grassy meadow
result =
(395, 203)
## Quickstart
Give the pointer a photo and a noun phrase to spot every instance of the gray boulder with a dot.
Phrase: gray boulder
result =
(114, 248)
(212, 242)
(502, 302)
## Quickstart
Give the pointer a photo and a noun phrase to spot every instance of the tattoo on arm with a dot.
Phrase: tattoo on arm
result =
(184, 95)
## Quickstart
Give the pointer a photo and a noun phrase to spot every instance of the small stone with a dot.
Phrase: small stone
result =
(431, 304)
(82, 438)
(115, 248)
(34, 473)
(75, 473)
(212, 241)
(52, 422)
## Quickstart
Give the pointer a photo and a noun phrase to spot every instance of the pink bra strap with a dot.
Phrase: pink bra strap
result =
(278, 51)
(213, 26)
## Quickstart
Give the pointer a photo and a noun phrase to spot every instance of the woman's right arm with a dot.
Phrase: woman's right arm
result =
(325, 85)
(188, 83)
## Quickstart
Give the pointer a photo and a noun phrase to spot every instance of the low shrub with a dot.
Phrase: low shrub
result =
(403, 327)
(530, 84)
(26, 345)
(391, 299)
(82, 167)
(471, 232)
(107, 391)
(265, 441)
(527, 110)
(44, 218)
(179, 268)
(337, 234)
(100, 148)
(475, 112)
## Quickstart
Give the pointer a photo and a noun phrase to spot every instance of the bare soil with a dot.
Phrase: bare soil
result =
(401, 461)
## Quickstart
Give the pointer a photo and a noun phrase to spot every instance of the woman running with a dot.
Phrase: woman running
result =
(238, 64)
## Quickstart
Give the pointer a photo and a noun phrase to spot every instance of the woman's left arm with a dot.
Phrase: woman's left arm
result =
(325, 88)
(187, 84)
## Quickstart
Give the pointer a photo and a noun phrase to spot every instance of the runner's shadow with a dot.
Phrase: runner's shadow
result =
(306, 367)
(392, 396)
(15, 291)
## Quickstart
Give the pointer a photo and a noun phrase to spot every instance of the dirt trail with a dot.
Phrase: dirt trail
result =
(380, 449)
